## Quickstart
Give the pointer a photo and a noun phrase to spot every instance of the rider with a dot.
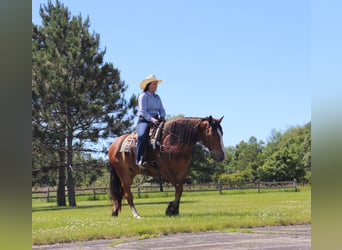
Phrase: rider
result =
(150, 109)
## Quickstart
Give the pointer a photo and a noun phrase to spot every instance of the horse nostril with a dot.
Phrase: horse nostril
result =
(219, 157)
(222, 157)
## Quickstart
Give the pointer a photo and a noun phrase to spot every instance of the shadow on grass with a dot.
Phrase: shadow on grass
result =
(55, 208)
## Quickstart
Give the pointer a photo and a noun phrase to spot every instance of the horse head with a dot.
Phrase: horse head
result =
(212, 137)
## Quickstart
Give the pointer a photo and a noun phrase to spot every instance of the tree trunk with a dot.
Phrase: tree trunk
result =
(61, 187)
(61, 176)
(71, 181)
(71, 187)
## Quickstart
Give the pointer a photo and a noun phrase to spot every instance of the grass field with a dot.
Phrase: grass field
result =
(229, 211)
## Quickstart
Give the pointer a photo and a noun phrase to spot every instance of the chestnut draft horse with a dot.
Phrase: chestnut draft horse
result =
(171, 160)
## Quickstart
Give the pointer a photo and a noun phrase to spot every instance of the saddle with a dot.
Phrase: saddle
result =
(155, 135)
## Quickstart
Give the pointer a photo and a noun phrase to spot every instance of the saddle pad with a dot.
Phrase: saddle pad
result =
(127, 145)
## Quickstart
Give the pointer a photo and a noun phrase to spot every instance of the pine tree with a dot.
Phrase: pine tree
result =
(76, 97)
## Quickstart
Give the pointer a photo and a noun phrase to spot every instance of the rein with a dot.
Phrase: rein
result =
(170, 132)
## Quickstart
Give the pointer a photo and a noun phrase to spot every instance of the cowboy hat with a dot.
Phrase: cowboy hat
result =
(147, 80)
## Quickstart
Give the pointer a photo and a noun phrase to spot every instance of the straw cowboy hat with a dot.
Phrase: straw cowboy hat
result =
(147, 80)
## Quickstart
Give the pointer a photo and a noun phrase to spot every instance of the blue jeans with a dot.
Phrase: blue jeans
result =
(142, 130)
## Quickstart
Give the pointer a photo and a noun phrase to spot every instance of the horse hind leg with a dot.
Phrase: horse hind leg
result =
(117, 194)
(129, 198)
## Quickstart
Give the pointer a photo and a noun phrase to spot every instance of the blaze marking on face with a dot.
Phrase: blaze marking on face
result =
(221, 142)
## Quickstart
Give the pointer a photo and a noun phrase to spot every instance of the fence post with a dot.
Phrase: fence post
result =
(258, 184)
(295, 184)
(47, 195)
(161, 184)
(220, 188)
(94, 192)
(139, 194)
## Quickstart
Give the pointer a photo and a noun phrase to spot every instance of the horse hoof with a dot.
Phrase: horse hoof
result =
(137, 217)
(172, 209)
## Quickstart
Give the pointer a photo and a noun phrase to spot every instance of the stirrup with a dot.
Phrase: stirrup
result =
(142, 164)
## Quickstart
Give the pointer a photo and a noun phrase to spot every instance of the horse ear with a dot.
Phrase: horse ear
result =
(210, 119)
(219, 120)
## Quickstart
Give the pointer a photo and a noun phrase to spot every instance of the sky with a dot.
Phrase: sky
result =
(246, 60)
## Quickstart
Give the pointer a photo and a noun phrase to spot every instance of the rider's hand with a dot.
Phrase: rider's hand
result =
(155, 121)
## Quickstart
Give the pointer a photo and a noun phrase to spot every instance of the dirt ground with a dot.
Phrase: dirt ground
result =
(296, 237)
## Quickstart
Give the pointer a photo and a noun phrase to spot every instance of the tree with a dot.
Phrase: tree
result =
(201, 166)
(289, 156)
(243, 161)
(76, 97)
(41, 158)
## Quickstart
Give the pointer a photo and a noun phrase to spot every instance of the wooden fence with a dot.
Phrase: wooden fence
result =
(51, 193)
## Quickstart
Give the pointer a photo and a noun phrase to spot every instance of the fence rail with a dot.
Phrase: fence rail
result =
(51, 193)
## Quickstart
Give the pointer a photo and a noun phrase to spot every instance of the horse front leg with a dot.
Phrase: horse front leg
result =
(173, 208)
(129, 198)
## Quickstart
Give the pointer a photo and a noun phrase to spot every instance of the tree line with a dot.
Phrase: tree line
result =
(286, 156)
(79, 99)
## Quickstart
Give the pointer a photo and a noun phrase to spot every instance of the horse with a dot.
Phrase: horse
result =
(170, 160)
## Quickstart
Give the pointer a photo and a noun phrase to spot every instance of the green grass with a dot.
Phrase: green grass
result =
(232, 210)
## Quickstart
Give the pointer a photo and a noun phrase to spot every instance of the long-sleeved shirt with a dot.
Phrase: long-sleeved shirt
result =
(150, 106)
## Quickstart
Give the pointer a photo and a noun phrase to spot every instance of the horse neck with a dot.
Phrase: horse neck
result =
(182, 134)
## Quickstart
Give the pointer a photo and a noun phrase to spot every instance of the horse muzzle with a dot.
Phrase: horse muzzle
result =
(219, 156)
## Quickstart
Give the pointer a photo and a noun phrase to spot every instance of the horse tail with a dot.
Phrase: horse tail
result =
(116, 191)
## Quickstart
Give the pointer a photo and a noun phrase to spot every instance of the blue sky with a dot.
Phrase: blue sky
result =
(244, 59)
